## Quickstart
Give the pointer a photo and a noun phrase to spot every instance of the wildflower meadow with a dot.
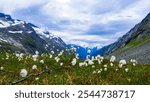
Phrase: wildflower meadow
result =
(66, 68)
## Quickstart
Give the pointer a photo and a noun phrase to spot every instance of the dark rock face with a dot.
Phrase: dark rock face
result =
(27, 37)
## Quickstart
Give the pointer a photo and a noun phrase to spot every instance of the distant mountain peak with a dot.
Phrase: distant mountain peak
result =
(27, 36)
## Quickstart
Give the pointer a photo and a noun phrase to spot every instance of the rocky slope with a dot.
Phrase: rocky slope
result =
(134, 44)
(17, 35)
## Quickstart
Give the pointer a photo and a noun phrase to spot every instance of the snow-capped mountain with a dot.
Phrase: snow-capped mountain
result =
(18, 35)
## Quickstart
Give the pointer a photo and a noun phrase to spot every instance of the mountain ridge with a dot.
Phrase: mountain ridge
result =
(129, 42)
(26, 36)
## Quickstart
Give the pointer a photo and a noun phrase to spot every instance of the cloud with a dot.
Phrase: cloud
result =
(9, 6)
(98, 21)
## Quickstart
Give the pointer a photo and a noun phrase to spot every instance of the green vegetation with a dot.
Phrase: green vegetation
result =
(48, 71)
(131, 45)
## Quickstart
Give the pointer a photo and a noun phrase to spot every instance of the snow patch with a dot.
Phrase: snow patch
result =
(4, 24)
(43, 33)
(16, 22)
(2, 40)
(14, 32)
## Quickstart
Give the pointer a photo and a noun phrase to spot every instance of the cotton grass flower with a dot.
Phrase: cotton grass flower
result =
(99, 71)
(112, 59)
(111, 64)
(1, 68)
(23, 73)
(37, 78)
(74, 61)
(57, 59)
(36, 52)
(52, 52)
(117, 69)
(50, 56)
(61, 64)
(122, 63)
(94, 72)
(105, 69)
(133, 61)
(60, 54)
(126, 70)
(81, 64)
(42, 61)
(34, 67)
(77, 56)
(90, 62)
(105, 66)
(35, 57)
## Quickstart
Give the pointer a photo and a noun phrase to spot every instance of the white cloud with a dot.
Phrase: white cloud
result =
(9, 6)
(81, 15)
(84, 40)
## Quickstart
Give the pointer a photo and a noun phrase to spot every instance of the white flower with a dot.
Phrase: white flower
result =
(52, 52)
(89, 51)
(93, 66)
(1, 68)
(34, 67)
(102, 58)
(61, 64)
(99, 61)
(93, 58)
(77, 56)
(50, 56)
(94, 72)
(133, 61)
(57, 59)
(134, 64)
(105, 69)
(123, 62)
(17, 55)
(81, 64)
(35, 57)
(42, 61)
(105, 66)
(111, 64)
(60, 54)
(23, 73)
(120, 65)
(85, 63)
(117, 69)
(21, 55)
(112, 59)
(126, 70)
(73, 49)
(98, 56)
(90, 62)
(36, 52)
(74, 61)
(37, 79)
(99, 71)
(87, 57)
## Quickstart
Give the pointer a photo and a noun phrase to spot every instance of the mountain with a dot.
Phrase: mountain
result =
(134, 44)
(17, 35)
(82, 51)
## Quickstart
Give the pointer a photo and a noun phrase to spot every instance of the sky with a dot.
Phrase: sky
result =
(87, 23)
